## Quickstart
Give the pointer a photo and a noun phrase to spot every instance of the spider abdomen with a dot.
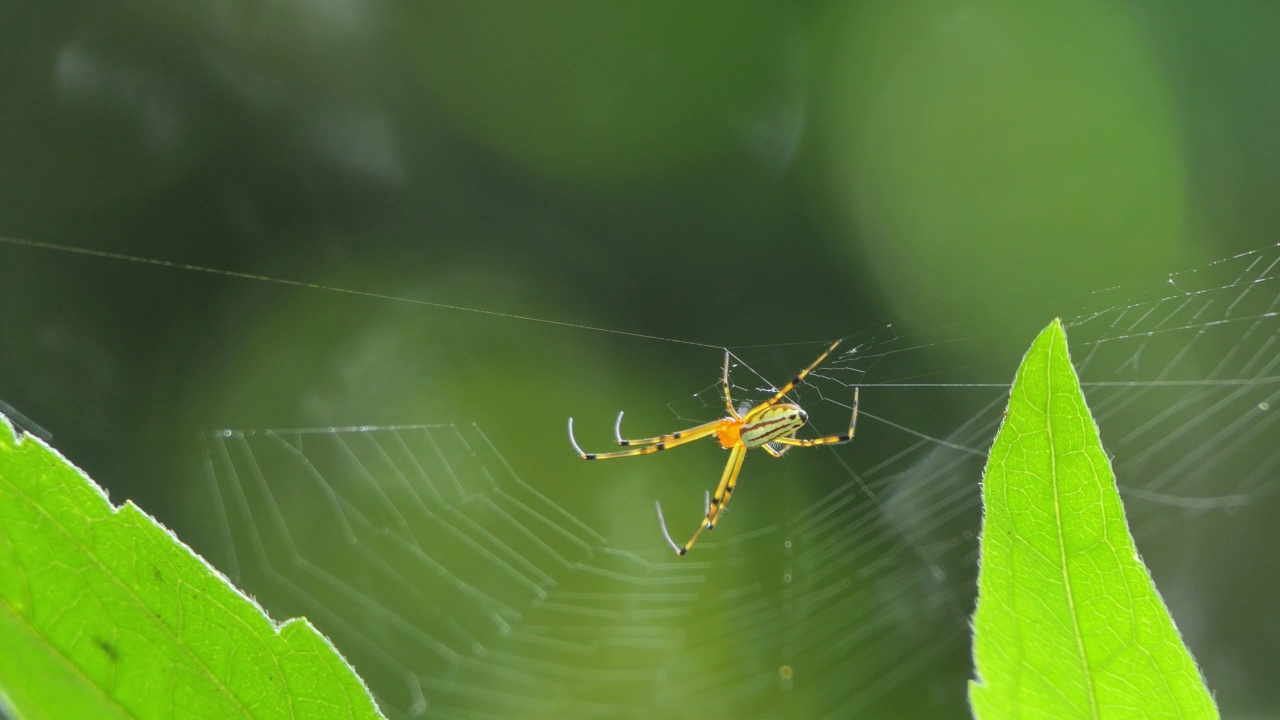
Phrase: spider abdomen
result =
(770, 424)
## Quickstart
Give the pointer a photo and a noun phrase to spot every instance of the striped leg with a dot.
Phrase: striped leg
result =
(727, 484)
(617, 434)
(829, 440)
(659, 444)
(799, 378)
(728, 399)
(717, 503)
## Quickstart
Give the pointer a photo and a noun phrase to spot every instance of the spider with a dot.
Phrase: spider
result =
(771, 425)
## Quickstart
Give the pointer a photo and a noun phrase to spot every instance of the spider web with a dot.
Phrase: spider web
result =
(461, 587)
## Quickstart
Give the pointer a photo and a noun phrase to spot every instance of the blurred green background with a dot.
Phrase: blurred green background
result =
(741, 174)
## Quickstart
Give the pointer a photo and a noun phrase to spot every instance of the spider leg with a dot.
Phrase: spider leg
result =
(728, 399)
(716, 505)
(617, 434)
(799, 378)
(831, 439)
(687, 436)
(663, 522)
(725, 491)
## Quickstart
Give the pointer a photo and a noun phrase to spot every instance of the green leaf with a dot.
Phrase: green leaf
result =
(1068, 623)
(105, 614)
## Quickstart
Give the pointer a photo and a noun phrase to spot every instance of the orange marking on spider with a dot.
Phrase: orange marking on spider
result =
(767, 425)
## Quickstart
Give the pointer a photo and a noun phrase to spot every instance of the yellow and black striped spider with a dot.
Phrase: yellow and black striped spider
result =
(771, 425)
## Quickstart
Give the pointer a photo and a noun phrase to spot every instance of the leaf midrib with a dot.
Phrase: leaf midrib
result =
(1062, 546)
